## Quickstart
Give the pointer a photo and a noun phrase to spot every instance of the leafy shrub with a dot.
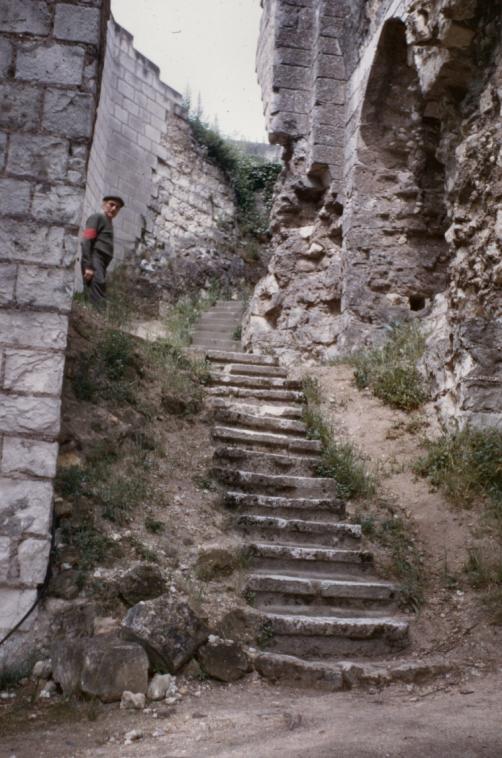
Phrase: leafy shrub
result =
(391, 371)
(466, 465)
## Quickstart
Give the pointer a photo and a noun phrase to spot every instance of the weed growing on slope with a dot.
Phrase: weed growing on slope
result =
(391, 370)
(339, 458)
(108, 371)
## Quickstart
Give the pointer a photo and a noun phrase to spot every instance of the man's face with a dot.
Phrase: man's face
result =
(111, 208)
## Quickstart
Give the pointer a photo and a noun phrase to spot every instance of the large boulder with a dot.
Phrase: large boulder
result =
(100, 667)
(168, 629)
(223, 659)
(141, 582)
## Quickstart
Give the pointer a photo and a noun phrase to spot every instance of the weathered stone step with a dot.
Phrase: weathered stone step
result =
(267, 462)
(311, 560)
(301, 531)
(233, 417)
(256, 359)
(286, 591)
(256, 408)
(345, 674)
(250, 481)
(256, 382)
(280, 396)
(252, 370)
(214, 342)
(316, 509)
(328, 636)
(265, 439)
(210, 330)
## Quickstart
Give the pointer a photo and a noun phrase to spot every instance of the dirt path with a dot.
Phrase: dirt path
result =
(259, 720)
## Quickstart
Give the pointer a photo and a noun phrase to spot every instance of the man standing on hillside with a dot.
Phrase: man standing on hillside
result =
(97, 248)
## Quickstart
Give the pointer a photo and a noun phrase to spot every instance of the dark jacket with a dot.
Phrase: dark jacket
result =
(97, 237)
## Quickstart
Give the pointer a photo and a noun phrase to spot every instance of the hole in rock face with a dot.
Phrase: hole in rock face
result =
(417, 302)
(335, 306)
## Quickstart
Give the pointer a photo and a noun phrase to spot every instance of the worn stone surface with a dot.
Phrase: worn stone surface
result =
(223, 659)
(397, 182)
(142, 582)
(168, 629)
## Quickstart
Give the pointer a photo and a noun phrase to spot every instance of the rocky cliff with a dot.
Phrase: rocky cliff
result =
(389, 117)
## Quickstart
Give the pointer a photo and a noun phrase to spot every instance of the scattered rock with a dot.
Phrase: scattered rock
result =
(161, 686)
(142, 582)
(100, 667)
(132, 701)
(133, 736)
(42, 670)
(48, 690)
(214, 562)
(223, 659)
(168, 629)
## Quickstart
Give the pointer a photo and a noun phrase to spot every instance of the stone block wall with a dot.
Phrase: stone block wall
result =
(50, 57)
(408, 227)
(134, 109)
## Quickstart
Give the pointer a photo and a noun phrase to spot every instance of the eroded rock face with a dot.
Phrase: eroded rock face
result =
(223, 659)
(399, 218)
(168, 629)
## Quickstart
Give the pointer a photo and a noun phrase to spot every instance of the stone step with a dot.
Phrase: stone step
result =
(267, 462)
(257, 408)
(299, 531)
(315, 509)
(346, 674)
(233, 417)
(275, 484)
(311, 560)
(294, 592)
(202, 353)
(214, 342)
(327, 636)
(251, 370)
(255, 359)
(256, 382)
(210, 330)
(280, 396)
(249, 437)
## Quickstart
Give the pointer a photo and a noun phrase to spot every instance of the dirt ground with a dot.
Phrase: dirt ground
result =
(256, 719)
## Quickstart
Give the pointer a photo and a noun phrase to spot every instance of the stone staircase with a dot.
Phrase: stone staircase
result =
(314, 598)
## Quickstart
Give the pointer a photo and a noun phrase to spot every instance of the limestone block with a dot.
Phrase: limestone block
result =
(45, 287)
(69, 113)
(223, 659)
(289, 38)
(78, 24)
(110, 668)
(291, 77)
(331, 66)
(33, 557)
(3, 146)
(293, 56)
(6, 546)
(30, 371)
(25, 506)
(29, 17)
(31, 242)
(61, 204)
(14, 604)
(455, 35)
(45, 157)
(43, 330)
(295, 102)
(291, 124)
(329, 115)
(19, 413)
(141, 582)
(329, 45)
(8, 273)
(29, 457)
(6, 51)
(19, 106)
(329, 91)
(327, 154)
(331, 26)
(14, 196)
(53, 64)
(168, 629)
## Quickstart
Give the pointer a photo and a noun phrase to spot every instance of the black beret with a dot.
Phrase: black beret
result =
(117, 199)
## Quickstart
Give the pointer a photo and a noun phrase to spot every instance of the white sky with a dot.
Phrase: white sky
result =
(209, 45)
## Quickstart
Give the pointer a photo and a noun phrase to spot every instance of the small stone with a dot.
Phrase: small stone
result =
(158, 733)
(42, 670)
(133, 736)
(132, 701)
(162, 686)
(48, 690)
(142, 582)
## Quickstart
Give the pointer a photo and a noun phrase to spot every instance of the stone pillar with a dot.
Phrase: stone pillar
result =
(49, 64)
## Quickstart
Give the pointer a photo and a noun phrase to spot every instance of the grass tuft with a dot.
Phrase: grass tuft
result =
(391, 370)
(339, 459)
